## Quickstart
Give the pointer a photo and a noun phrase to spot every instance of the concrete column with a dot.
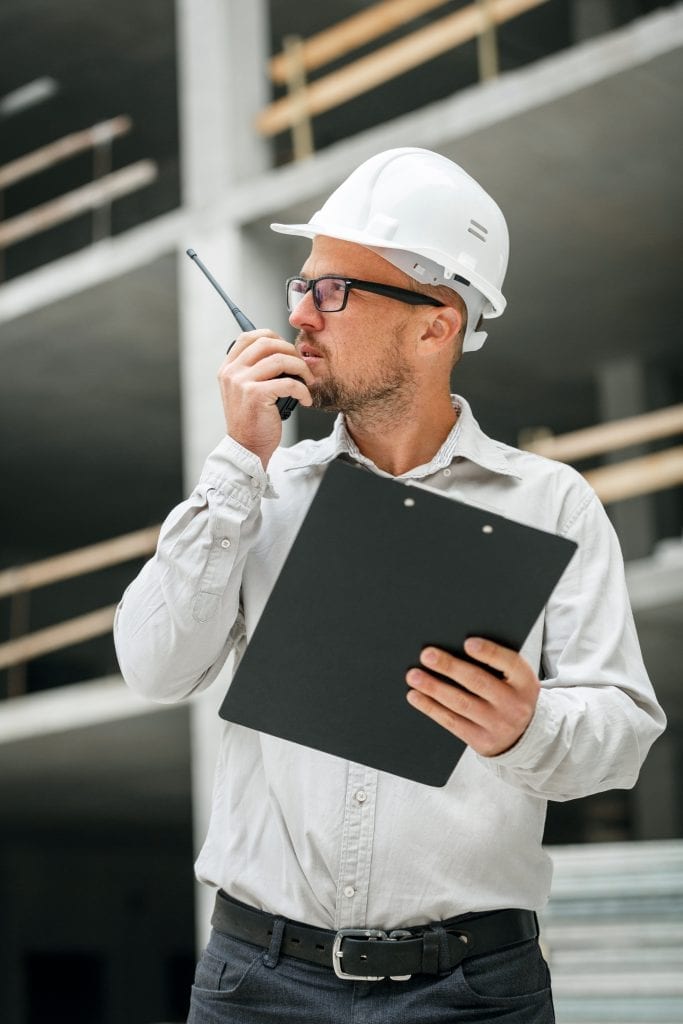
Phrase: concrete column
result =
(206, 329)
(222, 46)
(222, 53)
(252, 264)
(622, 392)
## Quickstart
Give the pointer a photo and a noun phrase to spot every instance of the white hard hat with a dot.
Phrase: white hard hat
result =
(425, 215)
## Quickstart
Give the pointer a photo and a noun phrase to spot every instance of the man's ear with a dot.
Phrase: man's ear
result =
(445, 323)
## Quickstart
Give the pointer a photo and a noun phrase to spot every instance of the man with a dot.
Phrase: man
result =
(407, 257)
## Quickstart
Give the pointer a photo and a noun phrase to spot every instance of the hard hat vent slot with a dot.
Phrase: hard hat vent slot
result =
(478, 230)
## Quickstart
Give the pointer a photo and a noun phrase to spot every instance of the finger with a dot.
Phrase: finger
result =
(277, 364)
(456, 699)
(465, 729)
(290, 387)
(489, 727)
(247, 338)
(261, 347)
(263, 358)
(500, 658)
(488, 739)
(267, 392)
(473, 677)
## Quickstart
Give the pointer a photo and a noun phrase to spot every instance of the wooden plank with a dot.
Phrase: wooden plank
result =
(487, 46)
(74, 631)
(608, 437)
(352, 33)
(390, 61)
(63, 148)
(76, 563)
(302, 130)
(80, 200)
(634, 477)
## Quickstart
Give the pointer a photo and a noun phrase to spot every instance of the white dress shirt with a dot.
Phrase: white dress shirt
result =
(318, 839)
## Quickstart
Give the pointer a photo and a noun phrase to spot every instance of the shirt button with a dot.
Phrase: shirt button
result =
(361, 796)
(225, 543)
(446, 472)
(349, 891)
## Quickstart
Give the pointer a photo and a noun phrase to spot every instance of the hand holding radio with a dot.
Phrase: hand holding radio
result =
(261, 371)
(262, 375)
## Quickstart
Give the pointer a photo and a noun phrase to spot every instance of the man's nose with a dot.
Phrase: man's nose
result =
(304, 316)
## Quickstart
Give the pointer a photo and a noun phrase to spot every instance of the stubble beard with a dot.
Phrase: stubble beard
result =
(378, 397)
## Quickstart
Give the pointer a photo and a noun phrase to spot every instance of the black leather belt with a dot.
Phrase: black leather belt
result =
(370, 954)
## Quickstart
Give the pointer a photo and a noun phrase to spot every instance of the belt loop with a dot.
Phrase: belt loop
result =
(435, 950)
(271, 958)
(430, 952)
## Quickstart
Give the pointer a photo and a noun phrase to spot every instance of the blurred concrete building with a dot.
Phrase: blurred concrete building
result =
(128, 133)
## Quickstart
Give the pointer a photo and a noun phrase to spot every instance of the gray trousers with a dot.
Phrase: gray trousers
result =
(237, 983)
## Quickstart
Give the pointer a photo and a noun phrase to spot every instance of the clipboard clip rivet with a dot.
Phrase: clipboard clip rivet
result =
(409, 502)
(487, 529)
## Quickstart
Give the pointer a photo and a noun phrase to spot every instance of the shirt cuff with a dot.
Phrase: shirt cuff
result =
(231, 468)
(533, 743)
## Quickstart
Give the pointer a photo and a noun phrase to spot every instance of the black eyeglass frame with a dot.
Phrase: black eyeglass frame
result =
(389, 291)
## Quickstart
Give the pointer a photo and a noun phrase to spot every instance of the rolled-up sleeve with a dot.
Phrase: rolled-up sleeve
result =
(597, 714)
(180, 617)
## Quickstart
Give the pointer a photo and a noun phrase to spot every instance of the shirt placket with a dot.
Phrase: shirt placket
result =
(356, 847)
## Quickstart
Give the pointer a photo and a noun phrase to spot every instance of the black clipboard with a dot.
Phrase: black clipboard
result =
(377, 571)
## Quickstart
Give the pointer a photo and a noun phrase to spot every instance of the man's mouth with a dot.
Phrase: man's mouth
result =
(309, 352)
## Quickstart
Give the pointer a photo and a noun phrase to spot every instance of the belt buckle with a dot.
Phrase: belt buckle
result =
(376, 934)
(337, 952)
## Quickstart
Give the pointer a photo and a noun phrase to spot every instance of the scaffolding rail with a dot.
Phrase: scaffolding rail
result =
(95, 197)
(643, 474)
(305, 100)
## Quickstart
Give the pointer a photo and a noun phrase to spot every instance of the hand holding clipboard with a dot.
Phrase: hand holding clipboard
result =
(397, 569)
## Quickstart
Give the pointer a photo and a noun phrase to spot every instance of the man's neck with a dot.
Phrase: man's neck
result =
(400, 443)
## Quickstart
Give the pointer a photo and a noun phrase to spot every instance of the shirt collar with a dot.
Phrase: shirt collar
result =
(466, 440)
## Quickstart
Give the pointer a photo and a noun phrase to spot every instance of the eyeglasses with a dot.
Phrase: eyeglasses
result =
(330, 294)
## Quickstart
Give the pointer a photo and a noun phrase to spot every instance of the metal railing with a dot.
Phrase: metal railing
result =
(634, 476)
(96, 196)
(305, 100)
(17, 583)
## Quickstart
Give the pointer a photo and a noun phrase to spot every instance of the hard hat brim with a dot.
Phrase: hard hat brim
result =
(496, 302)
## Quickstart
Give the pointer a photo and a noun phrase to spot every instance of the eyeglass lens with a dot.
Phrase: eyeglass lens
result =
(328, 293)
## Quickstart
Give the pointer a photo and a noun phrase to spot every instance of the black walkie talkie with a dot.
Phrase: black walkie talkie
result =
(285, 405)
